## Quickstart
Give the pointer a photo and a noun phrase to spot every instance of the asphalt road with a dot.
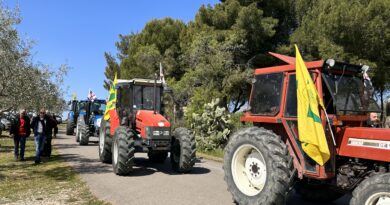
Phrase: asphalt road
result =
(151, 183)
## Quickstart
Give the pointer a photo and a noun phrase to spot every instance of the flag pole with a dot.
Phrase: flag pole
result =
(330, 128)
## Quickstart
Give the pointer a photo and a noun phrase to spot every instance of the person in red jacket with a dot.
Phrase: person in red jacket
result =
(20, 130)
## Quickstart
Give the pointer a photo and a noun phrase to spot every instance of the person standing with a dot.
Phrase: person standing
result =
(50, 125)
(39, 125)
(20, 130)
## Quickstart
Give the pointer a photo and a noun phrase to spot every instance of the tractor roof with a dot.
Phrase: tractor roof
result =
(137, 81)
(331, 65)
(290, 67)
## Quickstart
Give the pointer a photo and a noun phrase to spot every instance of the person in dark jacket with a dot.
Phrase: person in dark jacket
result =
(41, 126)
(51, 126)
(20, 130)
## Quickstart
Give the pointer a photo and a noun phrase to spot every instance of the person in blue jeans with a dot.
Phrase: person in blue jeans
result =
(40, 124)
(20, 130)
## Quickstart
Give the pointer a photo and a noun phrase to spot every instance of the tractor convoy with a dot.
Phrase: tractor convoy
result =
(264, 162)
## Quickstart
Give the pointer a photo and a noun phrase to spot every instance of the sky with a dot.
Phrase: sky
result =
(78, 32)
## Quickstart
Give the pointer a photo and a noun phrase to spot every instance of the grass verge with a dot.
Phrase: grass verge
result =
(215, 155)
(52, 182)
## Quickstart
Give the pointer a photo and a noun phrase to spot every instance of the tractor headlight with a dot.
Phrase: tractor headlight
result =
(160, 132)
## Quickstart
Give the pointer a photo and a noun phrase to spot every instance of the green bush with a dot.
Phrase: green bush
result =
(211, 126)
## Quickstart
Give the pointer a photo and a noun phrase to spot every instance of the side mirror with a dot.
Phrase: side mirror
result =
(69, 102)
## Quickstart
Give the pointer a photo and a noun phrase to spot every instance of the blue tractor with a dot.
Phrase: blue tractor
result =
(89, 119)
(72, 116)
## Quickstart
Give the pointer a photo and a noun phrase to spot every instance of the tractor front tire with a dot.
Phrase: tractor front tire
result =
(373, 190)
(105, 143)
(183, 150)
(70, 128)
(77, 132)
(157, 157)
(316, 193)
(258, 168)
(123, 151)
(83, 133)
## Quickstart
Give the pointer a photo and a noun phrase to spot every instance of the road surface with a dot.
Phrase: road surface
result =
(151, 183)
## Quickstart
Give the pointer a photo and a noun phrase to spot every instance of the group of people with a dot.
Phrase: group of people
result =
(43, 127)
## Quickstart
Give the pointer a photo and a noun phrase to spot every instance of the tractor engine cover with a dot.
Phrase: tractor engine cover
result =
(152, 125)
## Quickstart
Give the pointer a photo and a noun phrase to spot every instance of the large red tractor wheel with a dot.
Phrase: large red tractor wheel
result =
(105, 142)
(257, 167)
(373, 191)
(123, 151)
(183, 150)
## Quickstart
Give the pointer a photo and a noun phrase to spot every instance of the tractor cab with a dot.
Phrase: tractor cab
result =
(138, 94)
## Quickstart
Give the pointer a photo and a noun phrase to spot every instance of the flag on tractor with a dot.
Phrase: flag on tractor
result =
(111, 100)
(91, 95)
(310, 129)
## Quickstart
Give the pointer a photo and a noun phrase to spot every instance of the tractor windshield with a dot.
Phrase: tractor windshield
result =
(98, 107)
(144, 98)
(81, 106)
(350, 95)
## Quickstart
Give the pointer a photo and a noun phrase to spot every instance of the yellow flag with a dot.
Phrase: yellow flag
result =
(74, 96)
(310, 129)
(111, 100)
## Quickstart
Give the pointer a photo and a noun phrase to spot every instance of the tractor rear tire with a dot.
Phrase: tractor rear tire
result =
(258, 168)
(123, 151)
(183, 150)
(83, 133)
(105, 143)
(157, 157)
(316, 193)
(70, 128)
(373, 190)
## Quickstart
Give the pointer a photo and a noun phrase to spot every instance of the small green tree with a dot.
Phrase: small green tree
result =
(211, 126)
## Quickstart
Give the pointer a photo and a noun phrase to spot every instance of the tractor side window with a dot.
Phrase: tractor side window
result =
(124, 101)
(291, 102)
(266, 94)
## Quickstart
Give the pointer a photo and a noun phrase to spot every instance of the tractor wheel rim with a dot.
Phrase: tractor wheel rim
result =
(380, 198)
(115, 152)
(101, 142)
(249, 170)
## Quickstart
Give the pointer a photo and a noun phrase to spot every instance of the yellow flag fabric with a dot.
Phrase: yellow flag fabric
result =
(111, 100)
(310, 129)
(74, 96)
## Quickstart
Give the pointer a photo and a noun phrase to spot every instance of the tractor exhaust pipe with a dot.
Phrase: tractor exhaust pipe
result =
(155, 94)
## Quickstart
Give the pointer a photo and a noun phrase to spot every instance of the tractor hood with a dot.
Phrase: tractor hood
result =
(151, 119)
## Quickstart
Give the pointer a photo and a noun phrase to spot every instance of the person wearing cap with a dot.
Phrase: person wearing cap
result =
(20, 130)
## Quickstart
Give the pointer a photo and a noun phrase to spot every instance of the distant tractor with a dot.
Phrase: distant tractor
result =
(72, 117)
(139, 126)
(264, 162)
(89, 120)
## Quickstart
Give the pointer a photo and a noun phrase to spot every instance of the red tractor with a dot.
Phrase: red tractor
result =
(137, 125)
(264, 162)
